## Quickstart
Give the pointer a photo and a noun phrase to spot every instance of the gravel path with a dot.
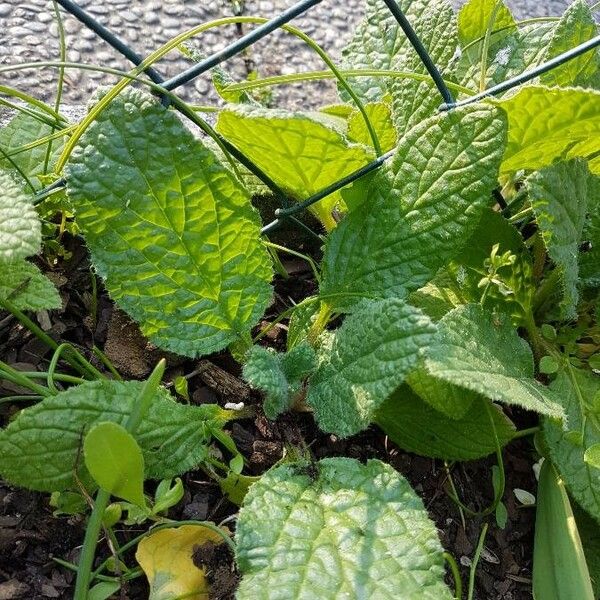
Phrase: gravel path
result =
(28, 32)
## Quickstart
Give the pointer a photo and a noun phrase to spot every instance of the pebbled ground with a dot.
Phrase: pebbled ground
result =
(28, 32)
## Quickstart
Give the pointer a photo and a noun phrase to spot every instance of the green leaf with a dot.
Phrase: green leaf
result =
(26, 288)
(416, 427)
(301, 320)
(115, 461)
(589, 257)
(434, 22)
(559, 567)
(549, 123)
(418, 217)
(559, 196)
(453, 401)
(301, 153)
(474, 16)
(279, 376)
(368, 358)
(576, 26)
(576, 389)
(337, 529)
(592, 456)
(481, 351)
(589, 532)
(379, 43)
(103, 590)
(22, 130)
(380, 116)
(169, 229)
(39, 448)
(510, 53)
(20, 227)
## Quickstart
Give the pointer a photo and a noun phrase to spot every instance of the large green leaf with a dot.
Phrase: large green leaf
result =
(301, 153)
(40, 447)
(368, 358)
(549, 123)
(589, 259)
(26, 288)
(278, 375)
(337, 529)
(481, 351)
(579, 392)
(171, 231)
(434, 22)
(559, 196)
(418, 217)
(20, 227)
(22, 130)
(474, 17)
(416, 427)
(576, 26)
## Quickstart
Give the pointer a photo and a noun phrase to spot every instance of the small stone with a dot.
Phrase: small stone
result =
(5, 9)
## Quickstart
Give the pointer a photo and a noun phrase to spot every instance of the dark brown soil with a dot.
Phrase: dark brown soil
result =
(31, 537)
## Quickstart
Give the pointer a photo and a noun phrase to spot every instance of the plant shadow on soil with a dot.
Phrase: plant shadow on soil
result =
(30, 536)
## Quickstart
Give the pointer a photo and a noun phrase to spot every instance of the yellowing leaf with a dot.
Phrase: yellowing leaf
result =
(166, 558)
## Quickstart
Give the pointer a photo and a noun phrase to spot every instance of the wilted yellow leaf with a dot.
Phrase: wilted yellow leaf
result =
(166, 559)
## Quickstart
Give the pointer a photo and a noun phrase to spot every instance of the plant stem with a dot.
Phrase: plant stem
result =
(473, 568)
(455, 574)
(92, 531)
(526, 432)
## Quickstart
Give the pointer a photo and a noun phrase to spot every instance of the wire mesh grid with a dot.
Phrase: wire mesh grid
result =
(165, 88)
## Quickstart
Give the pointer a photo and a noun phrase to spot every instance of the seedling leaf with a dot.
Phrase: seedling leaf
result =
(115, 461)
(26, 288)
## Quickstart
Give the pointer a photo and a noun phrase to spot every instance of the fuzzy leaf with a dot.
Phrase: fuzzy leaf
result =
(170, 230)
(301, 153)
(474, 17)
(39, 448)
(26, 288)
(441, 178)
(589, 258)
(369, 357)
(416, 427)
(413, 101)
(279, 375)
(482, 352)
(20, 227)
(24, 129)
(337, 529)
(559, 196)
(576, 26)
(167, 559)
(115, 461)
(549, 123)
(379, 43)
(568, 454)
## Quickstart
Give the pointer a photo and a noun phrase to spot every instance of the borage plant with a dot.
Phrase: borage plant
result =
(455, 253)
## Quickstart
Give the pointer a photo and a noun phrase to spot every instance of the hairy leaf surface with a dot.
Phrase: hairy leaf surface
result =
(279, 375)
(170, 230)
(417, 427)
(559, 196)
(349, 531)
(368, 358)
(40, 446)
(576, 26)
(301, 153)
(20, 227)
(577, 391)
(441, 178)
(22, 130)
(380, 117)
(549, 123)
(26, 287)
(482, 352)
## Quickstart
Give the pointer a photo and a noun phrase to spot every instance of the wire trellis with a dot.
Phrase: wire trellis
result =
(288, 212)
